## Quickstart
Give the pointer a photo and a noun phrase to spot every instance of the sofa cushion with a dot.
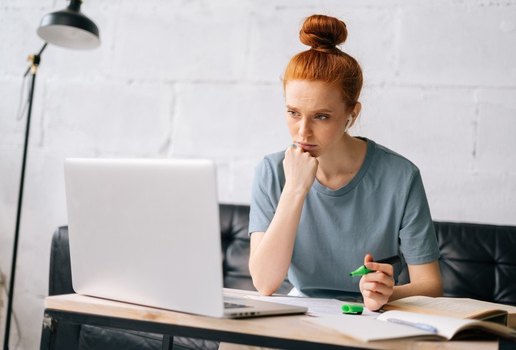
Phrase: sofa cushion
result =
(100, 338)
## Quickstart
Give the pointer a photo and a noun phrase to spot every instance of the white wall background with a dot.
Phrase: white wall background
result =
(202, 79)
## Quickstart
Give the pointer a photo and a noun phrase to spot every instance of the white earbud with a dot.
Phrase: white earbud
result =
(348, 124)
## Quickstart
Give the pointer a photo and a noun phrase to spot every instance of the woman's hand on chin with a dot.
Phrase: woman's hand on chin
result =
(300, 169)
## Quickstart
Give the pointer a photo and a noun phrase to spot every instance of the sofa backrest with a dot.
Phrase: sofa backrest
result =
(235, 246)
(477, 261)
(234, 222)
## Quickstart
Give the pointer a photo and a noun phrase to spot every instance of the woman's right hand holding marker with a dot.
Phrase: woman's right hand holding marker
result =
(376, 287)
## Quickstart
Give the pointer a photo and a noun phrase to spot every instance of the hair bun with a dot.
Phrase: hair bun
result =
(323, 32)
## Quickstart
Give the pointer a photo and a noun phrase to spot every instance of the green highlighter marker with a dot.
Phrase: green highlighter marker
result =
(352, 309)
(362, 270)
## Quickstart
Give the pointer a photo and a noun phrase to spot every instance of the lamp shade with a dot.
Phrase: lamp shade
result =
(69, 28)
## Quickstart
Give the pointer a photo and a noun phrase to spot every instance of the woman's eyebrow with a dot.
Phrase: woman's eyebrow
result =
(321, 110)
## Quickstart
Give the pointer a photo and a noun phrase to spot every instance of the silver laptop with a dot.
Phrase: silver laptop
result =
(147, 232)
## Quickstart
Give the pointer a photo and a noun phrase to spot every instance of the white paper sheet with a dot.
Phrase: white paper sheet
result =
(316, 306)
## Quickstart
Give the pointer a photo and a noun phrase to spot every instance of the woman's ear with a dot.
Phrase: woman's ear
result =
(348, 123)
(356, 110)
(353, 116)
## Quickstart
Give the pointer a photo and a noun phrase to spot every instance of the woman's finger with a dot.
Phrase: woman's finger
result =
(385, 268)
(368, 258)
(379, 277)
(379, 288)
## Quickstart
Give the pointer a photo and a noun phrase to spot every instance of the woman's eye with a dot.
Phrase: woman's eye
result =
(321, 117)
(292, 113)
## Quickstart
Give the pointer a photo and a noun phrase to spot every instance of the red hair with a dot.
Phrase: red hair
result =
(324, 61)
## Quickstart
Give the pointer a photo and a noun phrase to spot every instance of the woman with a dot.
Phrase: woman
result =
(332, 202)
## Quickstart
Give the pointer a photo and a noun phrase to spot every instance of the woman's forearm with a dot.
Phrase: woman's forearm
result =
(271, 254)
(428, 288)
(425, 280)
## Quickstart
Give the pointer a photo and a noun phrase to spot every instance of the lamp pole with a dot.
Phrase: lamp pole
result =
(68, 28)
(32, 69)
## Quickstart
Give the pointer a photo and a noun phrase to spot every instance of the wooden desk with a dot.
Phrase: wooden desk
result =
(286, 332)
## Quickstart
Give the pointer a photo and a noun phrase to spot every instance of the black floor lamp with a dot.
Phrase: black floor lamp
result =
(66, 28)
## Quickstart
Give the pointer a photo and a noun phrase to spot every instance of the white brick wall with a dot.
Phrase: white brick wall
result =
(458, 44)
(202, 79)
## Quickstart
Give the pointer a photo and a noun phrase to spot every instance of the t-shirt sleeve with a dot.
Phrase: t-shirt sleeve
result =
(418, 241)
(262, 207)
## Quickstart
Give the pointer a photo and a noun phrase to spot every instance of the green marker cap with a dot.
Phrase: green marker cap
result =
(362, 270)
(352, 309)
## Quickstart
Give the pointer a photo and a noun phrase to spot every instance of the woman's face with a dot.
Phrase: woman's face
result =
(316, 115)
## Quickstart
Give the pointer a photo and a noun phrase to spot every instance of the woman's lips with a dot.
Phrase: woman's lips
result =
(306, 146)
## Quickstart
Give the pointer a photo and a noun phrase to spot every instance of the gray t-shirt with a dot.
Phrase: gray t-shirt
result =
(383, 210)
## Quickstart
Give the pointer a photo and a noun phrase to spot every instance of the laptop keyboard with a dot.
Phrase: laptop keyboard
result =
(228, 305)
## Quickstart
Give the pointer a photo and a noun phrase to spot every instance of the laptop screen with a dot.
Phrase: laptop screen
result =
(146, 231)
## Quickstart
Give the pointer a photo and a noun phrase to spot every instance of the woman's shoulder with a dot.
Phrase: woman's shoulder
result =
(269, 170)
(392, 160)
(273, 160)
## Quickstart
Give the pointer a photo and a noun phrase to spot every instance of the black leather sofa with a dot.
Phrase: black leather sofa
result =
(477, 261)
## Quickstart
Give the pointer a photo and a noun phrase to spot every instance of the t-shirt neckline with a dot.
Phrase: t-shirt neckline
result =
(355, 180)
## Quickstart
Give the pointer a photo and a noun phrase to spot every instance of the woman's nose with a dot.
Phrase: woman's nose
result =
(304, 128)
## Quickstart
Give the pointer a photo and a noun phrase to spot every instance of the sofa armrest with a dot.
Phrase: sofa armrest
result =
(60, 281)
